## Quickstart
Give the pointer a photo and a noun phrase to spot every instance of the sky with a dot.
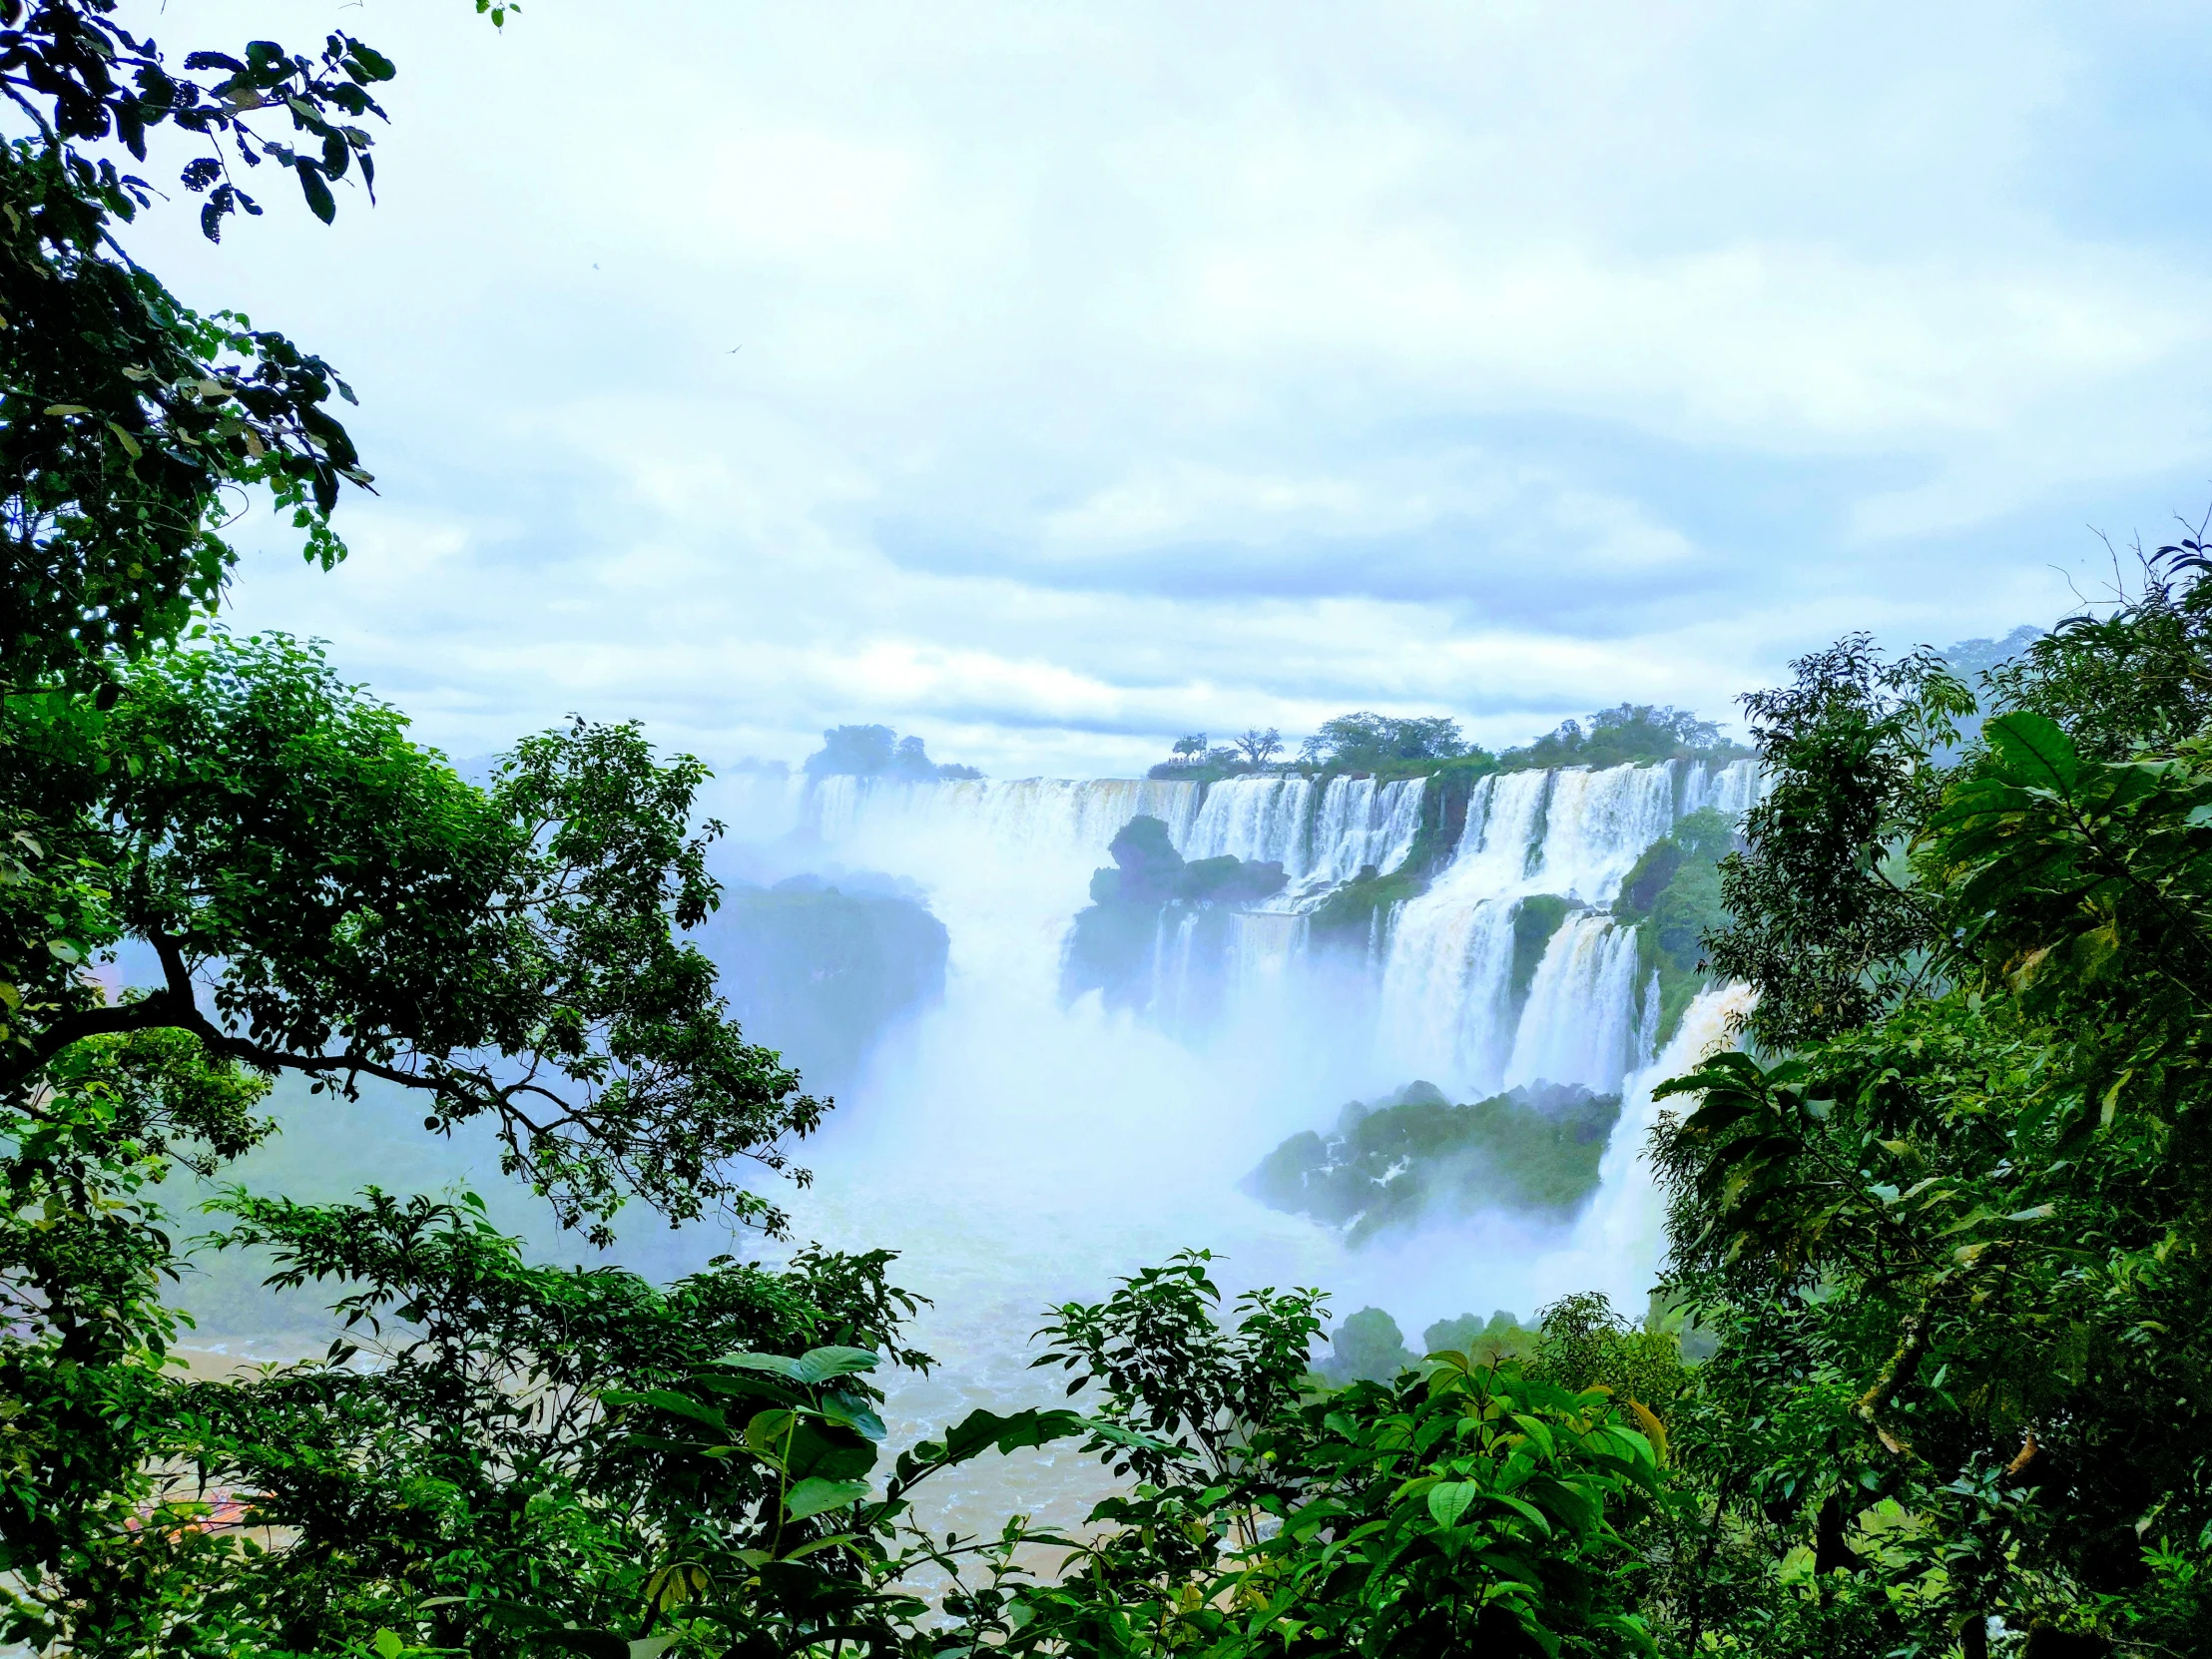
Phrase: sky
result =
(1051, 380)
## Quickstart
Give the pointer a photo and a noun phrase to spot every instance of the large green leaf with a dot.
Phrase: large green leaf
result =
(813, 1496)
(1449, 1501)
(814, 1368)
(2032, 749)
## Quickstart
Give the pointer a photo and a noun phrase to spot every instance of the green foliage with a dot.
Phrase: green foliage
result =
(1826, 921)
(877, 752)
(1635, 734)
(1113, 943)
(1470, 1508)
(1170, 1373)
(124, 416)
(1258, 747)
(349, 907)
(84, 1253)
(1951, 1244)
(1391, 1166)
(533, 1450)
(1581, 1343)
(1942, 1234)
(1487, 1342)
(1367, 1348)
(1370, 742)
(2132, 679)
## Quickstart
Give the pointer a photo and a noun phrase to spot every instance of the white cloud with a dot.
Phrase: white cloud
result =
(1053, 379)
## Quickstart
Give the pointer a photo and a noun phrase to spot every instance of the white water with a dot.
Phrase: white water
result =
(1449, 1008)
(1624, 1227)
(1319, 840)
(1580, 1022)
(1019, 1152)
(1276, 1039)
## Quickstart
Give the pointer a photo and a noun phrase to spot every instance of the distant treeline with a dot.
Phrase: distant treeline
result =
(1406, 746)
(877, 752)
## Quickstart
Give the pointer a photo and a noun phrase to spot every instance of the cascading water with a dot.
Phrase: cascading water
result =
(1024, 816)
(1623, 1229)
(1579, 1024)
(1321, 839)
(1019, 1151)
(1450, 1003)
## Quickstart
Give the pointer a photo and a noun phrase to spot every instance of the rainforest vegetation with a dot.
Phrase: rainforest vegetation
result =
(1393, 1163)
(1938, 1234)
(1421, 746)
(1113, 946)
(879, 751)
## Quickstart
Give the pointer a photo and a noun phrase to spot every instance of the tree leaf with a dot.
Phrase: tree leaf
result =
(320, 202)
(818, 1365)
(1449, 1501)
(811, 1497)
(2033, 750)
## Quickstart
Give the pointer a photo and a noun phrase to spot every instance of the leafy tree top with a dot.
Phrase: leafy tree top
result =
(1366, 739)
(877, 752)
(324, 896)
(1629, 733)
(132, 428)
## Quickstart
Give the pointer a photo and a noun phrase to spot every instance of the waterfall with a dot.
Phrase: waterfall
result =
(1580, 1022)
(1263, 819)
(1597, 825)
(1360, 822)
(1448, 1002)
(1320, 843)
(1621, 1234)
(1262, 944)
(1355, 822)
(1016, 816)
(1470, 992)
(1022, 1151)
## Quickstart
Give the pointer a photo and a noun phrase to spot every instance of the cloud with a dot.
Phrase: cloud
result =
(1052, 381)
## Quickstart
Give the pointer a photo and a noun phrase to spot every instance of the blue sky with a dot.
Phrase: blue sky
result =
(1050, 381)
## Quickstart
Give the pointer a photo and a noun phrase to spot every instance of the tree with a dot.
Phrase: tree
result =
(877, 752)
(326, 898)
(1466, 1509)
(323, 895)
(1259, 748)
(1632, 734)
(1940, 1225)
(854, 752)
(124, 415)
(1827, 921)
(1368, 1346)
(1190, 747)
(1369, 740)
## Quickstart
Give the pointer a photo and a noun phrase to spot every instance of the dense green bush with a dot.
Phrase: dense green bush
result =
(1415, 1155)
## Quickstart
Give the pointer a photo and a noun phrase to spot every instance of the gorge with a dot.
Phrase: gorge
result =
(1469, 928)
